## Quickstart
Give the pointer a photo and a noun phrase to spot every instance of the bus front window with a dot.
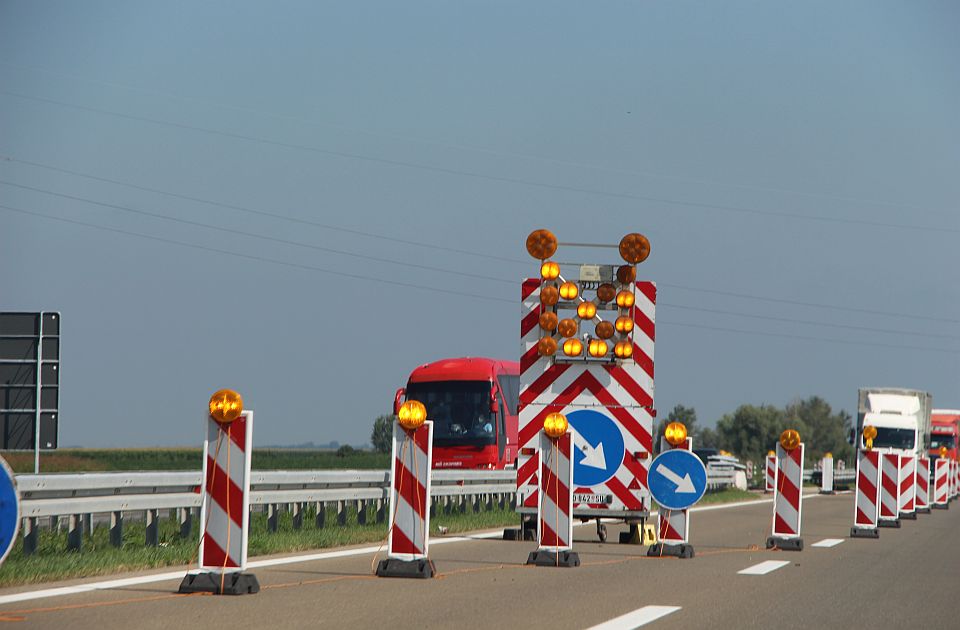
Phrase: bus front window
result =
(460, 411)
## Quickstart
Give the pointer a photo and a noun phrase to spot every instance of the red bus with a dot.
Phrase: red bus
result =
(473, 404)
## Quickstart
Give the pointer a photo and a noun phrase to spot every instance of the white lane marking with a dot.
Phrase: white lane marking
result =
(637, 618)
(828, 542)
(764, 567)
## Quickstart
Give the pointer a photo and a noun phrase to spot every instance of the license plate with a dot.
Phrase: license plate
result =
(592, 498)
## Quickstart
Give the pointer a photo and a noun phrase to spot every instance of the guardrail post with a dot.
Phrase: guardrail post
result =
(297, 515)
(272, 517)
(341, 513)
(475, 499)
(152, 529)
(462, 504)
(116, 529)
(489, 502)
(446, 505)
(321, 514)
(381, 514)
(433, 509)
(29, 535)
(55, 523)
(361, 512)
(502, 501)
(185, 518)
(75, 533)
(88, 525)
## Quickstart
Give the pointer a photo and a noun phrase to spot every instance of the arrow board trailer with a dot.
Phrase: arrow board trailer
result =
(601, 380)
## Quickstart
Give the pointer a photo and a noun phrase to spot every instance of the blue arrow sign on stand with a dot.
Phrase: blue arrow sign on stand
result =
(9, 510)
(677, 479)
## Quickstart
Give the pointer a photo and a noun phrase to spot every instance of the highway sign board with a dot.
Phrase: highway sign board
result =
(29, 380)
(9, 510)
(677, 479)
(598, 447)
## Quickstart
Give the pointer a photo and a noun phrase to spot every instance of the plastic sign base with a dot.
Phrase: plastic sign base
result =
(544, 558)
(864, 532)
(892, 522)
(785, 544)
(663, 549)
(910, 516)
(925, 510)
(392, 567)
(941, 506)
(234, 583)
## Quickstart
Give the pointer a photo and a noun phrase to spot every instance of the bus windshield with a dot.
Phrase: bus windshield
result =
(894, 438)
(460, 411)
(938, 441)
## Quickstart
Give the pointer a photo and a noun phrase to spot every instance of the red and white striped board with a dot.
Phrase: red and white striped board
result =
(624, 393)
(908, 486)
(867, 507)
(923, 484)
(788, 498)
(409, 535)
(673, 525)
(955, 467)
(555, 508)
(771, 473)
(890, 487)
(941, 485)
(225, 510)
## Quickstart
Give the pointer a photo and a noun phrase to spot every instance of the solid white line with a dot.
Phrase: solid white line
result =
(828, 542)
(764, 567)
(637, 618)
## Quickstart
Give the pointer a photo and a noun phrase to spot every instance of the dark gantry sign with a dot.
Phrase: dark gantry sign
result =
(29, 380)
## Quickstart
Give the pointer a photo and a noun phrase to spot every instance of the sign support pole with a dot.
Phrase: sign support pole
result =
(36, 417)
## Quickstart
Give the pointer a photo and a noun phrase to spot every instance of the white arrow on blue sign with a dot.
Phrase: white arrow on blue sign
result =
(677, 479)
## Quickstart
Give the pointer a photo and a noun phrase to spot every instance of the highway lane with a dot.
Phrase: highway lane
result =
(482, 583)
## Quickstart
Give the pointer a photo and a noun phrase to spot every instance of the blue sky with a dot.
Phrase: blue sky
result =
(375, 167)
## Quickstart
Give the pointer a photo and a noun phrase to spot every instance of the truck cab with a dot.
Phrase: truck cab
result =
(900, 416)
(945, 433)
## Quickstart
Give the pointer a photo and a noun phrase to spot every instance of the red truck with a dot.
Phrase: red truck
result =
(945, 432)
(472, 402)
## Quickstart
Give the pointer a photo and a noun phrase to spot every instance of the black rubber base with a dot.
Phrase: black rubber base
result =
(941, 506)
(543, 558)
(828, 492)
(925, 510)
(234, 583)
(910, 516)
(895, 523)
(392, 567)
(864, 532)
(785, 544)
(677, 551)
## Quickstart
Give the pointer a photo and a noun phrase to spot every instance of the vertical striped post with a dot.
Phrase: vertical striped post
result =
(867, 508)
(787, 500)
(889, 490)
(955, 466)
(923, 485)
(908, 487)
(941, 468)
(826, 474)
(674, 525)
(770, 473)
(225, 510)
(555, 504)
(408, 540)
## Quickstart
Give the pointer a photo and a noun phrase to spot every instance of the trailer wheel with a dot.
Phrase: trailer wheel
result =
(601, 531)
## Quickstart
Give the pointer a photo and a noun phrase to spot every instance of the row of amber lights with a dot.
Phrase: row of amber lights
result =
(634, 249)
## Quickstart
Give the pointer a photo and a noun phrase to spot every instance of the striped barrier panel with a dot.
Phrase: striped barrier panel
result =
(908, 486)
(555, 503)
(408, 539)
(674, 525)
(826, 475)
(941, 490)
(225, 510)
(956, 478)
(770, 475)
(867, 504)
(787, 500)
(923, 485)
(889, 490)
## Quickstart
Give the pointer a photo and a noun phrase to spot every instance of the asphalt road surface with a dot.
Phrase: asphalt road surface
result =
(909, 578)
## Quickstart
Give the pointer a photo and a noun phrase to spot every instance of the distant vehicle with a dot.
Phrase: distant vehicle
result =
(705, 453)
(472, 402)
(901, 417)
(945, 433)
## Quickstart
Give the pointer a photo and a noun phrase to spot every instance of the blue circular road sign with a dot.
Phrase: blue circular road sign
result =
(677, 479)
(9, 510)
(598, 445)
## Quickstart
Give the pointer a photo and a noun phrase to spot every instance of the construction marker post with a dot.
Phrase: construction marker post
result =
(908, 487)
(770, 474)
(225, 511)
(955, 467)
(923, 485)
(677, 480)
(826, 474)
(867, 505)
(555, 502)
(941, 470)
(788, 495)
(889, 490)
(408, 539)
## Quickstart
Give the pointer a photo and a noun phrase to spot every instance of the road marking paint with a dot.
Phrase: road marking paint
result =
(828, 542)
(637, 618)
(764, 567)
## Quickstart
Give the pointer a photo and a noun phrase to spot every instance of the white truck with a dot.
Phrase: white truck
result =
(901, 417)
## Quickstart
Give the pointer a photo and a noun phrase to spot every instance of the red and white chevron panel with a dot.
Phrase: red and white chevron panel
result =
(409, 536)
(923, 483)
(908, 484)
(941, 478)
(787, 498)
(955, 466)
(674, 525)
(771, 473)
(555, 510)
(225, 511)
(623, 392)
(889, 486)
(867, 509)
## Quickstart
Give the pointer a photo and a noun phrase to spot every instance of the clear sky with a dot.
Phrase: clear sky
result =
(305, 200)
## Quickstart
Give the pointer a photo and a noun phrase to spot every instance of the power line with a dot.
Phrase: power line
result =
(487, 177)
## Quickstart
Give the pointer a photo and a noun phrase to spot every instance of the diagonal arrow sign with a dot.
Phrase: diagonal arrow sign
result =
(684, 484)
(592, 457)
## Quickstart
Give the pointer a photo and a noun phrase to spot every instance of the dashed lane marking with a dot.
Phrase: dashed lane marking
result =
(828, 542)
(637, 618)
(764, 567)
